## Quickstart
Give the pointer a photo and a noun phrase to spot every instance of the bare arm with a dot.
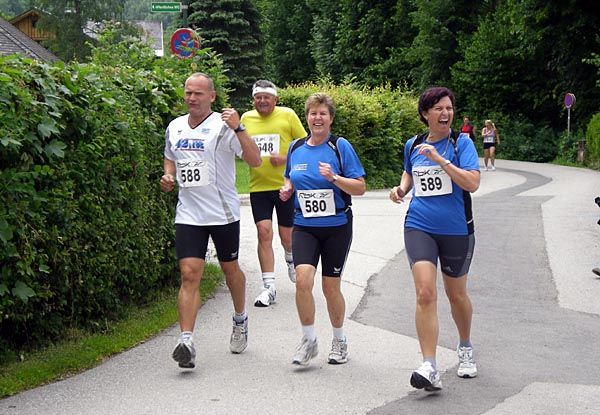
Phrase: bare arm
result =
(354, 187)
(398, 192)
(286, 190)
(466, 179)
(250, 151)
(167, 181)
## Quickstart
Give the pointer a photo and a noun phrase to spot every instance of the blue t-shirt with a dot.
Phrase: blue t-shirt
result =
(444, 214)
(302, 168)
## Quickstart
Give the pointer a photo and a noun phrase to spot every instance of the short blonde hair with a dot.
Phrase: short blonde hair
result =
(317, 99)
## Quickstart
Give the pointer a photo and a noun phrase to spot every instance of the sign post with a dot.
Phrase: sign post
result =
(569, 102)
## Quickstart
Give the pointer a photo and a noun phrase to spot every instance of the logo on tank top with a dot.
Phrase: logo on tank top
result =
(189, 144)
(300, 167)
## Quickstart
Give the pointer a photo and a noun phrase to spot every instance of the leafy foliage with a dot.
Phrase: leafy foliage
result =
(376, 121)
(84, 228)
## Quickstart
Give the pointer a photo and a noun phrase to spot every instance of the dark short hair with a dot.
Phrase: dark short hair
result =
(432, 96)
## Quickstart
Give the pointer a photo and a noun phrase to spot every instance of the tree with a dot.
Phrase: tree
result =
(231, 28)
(287, 26)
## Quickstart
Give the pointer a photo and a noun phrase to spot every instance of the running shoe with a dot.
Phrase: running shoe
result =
(339, 351)
(467, 368)
(485, 168)
(239, 336)
(426, 377)
(265, 298)
(185, 354)
(305, 352)
(493, 168)
(596, 271)
(291, 271)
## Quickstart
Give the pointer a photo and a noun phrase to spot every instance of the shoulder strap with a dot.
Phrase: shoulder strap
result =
(332, 143)
(298, 143)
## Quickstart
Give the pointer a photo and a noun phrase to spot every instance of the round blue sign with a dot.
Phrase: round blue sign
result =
(184, 43)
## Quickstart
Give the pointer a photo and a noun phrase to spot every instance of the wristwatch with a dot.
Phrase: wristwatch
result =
(239, 128)
(334, 178)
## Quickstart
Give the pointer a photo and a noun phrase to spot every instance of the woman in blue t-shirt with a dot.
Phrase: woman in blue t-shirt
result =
(323, 171)
(441, 172)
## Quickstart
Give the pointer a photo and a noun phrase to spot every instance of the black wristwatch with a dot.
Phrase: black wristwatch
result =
(239, 128)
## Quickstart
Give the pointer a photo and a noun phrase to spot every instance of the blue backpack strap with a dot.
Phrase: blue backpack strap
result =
(332, 143)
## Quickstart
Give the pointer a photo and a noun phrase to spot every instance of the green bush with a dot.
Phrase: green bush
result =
(376, 121)
(84, 228)
(592, 139)
(521, 140)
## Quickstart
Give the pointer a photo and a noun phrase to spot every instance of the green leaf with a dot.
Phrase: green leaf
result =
(47, 127)
(55, 148)
(22, 291)
(45, 269)
(3, 289)
(6, 231)
(8, 140)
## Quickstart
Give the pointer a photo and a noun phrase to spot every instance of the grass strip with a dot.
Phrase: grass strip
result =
(82, 351)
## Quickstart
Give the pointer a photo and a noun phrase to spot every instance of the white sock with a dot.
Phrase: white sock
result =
(268, 280)
(288, 256)
(186, 335)
(309, 332)
(240, 317)
(338, 333)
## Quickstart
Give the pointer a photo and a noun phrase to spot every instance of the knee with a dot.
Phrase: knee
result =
(265, 234)
(331, 292)
(190, 276)
(457, 298)
(426, 297)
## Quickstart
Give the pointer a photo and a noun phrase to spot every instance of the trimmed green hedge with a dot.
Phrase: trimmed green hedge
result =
(84, 227)
(592, 139)
(376, 121)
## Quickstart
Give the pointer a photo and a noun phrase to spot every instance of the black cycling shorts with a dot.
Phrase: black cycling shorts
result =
(330, 244)
(455, 252)
(191, 241)
(263, 204)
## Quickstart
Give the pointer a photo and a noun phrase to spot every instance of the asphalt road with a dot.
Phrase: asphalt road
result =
(535, 327)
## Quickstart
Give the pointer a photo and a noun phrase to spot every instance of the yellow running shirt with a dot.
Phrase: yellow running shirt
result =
(273, 133)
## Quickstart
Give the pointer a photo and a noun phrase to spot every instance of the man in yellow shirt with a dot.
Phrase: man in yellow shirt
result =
(273, 128)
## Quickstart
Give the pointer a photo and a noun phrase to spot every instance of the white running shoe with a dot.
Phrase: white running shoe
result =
(185, 354)
(467, 368)
(265, 298)
(426, 377)
(239, 337)
(291, 271)
(485, 168)
(339, 351)
(493, 168)
(305, 351)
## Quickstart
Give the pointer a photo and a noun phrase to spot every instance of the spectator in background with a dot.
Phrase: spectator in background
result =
(467, 128)
(491, 137)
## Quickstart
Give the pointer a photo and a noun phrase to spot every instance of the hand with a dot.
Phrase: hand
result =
(430, 152)
(167, 182)
(230, 117)
(325, 171)
(277, 159)
(285, 193)
(397, 194)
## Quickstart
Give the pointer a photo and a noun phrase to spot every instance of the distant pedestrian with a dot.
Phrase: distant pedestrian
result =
(491, 137)
(323, 171)
(273, 128)
(468, 128)
(441, 173)
(199, 157)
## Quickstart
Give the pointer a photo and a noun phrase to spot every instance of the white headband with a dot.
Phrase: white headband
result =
(267, 90)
